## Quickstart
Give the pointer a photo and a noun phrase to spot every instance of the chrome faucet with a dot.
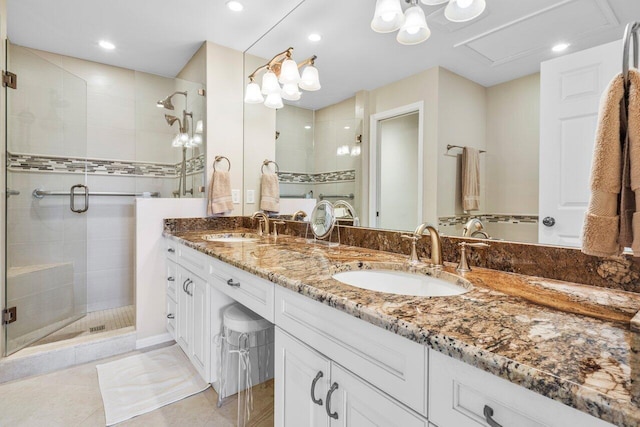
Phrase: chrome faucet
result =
(262, 217)
(436, 245)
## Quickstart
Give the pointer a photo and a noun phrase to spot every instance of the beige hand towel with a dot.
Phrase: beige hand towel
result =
(219, 193)
(270, 192)
(634, 153)
(470, 179)
(601, 225)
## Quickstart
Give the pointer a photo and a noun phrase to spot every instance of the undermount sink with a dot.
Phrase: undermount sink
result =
(231, 237)
(405, 283)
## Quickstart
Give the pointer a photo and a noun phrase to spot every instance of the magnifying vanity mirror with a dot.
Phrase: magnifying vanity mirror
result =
(322, 220)
(389, 123)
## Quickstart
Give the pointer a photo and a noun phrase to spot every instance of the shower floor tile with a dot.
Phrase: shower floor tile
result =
(93, 323)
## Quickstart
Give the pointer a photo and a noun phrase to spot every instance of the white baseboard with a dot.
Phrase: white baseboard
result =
(153, 340)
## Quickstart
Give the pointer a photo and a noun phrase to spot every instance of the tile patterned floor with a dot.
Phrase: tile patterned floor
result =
(112, 319)
(71, 397)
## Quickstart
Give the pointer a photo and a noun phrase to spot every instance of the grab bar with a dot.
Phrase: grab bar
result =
(308, 195)
(12, 193)
(336, 196)
(39, 193)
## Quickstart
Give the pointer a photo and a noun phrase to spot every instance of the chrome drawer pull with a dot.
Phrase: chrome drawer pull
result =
(488, 414)
(171, 250)
(187, 288)
(333, 388)
(171, 316)
(233, 284)
(313, 388)
(171, 279)
(184, 284)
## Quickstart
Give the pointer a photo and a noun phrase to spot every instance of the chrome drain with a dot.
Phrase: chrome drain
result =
(97, 328)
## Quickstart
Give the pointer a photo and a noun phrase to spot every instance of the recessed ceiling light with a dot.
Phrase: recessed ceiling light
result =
(560, 47)
(347, 127)
(307, 127)
(235, 5)
(315, 37)
(106, 45)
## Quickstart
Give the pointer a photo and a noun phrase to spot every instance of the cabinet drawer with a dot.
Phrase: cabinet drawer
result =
(251, 291)
(172, 279)
(171, 249)
(171, 316)
(459, 393)
(390, 362)
(194, 261)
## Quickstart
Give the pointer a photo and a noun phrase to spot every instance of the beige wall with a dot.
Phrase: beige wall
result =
(461, 121)
(196, 69)
(513, 139)
(224, 133)
(419, 87)
(259, 137)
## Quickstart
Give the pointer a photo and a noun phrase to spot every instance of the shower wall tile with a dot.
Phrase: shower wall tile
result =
(105, 141)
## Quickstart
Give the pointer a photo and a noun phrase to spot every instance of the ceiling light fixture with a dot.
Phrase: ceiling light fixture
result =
(282, 69)
(235, 5)
(314, 37)
(106, 45)
(388, 17)
(560, 47)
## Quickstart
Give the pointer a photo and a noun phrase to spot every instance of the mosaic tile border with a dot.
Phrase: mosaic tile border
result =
(313, 178)
(56, 164)
(445, 221)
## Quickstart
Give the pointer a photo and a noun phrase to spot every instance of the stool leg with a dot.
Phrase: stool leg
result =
(224, 370)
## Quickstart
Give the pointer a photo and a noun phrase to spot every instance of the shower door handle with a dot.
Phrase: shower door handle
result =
(72, 199)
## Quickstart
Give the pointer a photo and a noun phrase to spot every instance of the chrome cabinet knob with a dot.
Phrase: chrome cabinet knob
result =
(233, 284)
(171, 316)
(549, 221)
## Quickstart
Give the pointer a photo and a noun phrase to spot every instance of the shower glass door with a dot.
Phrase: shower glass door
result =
(46, 244)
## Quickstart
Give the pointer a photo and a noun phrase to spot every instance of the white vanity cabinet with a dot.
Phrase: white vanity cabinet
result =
(314, 391)
(463, 396)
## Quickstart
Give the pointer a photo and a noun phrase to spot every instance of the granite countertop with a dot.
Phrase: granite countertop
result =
(569, 342)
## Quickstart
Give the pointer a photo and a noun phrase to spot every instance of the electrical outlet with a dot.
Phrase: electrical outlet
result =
(251, 196)
(235, 197)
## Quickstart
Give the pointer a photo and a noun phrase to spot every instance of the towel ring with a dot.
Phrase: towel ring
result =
(266, 163)
(219, 159)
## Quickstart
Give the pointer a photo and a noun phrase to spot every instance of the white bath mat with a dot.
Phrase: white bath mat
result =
(139, 384)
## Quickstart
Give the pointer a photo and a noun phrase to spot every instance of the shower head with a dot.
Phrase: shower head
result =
(166, 102)
(172, 119)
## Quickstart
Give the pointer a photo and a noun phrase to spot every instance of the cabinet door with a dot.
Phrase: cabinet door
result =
(297, 367)
(199, 345)
(183, 317)
(355, 403)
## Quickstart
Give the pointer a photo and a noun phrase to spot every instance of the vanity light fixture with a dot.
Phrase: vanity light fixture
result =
(107, 45)
(560, 47)
(282, 69)
(412, 24)
(235, 5)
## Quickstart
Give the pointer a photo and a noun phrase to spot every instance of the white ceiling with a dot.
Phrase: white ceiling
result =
(509, 40)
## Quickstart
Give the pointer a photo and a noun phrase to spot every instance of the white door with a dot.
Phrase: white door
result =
(355, 403)
(302, 383)
(570, 90)
(200, 346)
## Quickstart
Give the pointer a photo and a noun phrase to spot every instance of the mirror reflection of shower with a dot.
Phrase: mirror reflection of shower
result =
(187, 137)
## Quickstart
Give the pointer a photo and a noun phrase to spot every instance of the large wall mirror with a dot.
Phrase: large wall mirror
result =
(388, 113)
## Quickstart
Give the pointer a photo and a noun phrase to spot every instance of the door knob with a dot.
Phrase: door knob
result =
(549, 221)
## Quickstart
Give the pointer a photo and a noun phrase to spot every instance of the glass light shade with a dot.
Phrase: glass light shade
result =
(270, 83)
(274, 100)
(310, 80)
(290, 92)
(200, 124)
(387, 17)
(355, 150)
(184, 138)
(176, 142)
(189, 143)
(433, 2)
(289, 72)
(415, 28)
(251, 96)
(197, 139)
(464, 10)
(342, 150)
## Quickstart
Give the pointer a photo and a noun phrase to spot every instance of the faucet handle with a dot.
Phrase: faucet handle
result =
(275, 227)
(463, 266)
(413, 258)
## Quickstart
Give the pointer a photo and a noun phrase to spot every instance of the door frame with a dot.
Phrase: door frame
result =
(374, 123)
